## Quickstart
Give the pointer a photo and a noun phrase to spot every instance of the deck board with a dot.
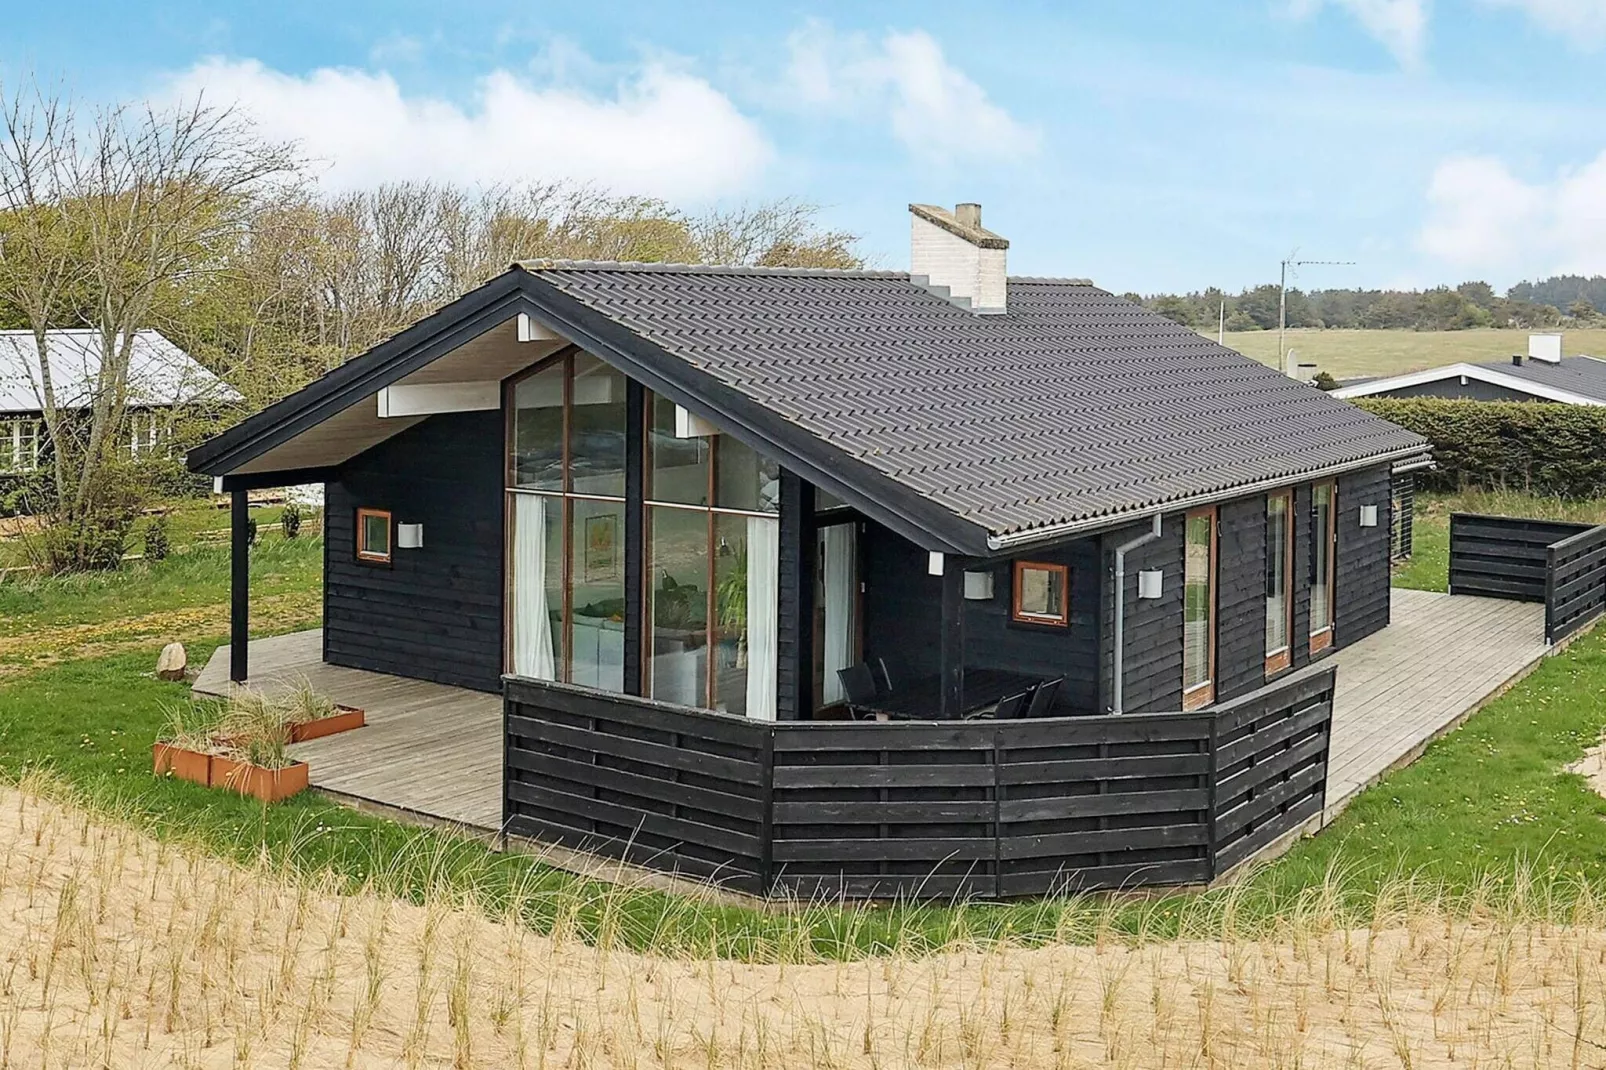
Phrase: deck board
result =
(436, 751)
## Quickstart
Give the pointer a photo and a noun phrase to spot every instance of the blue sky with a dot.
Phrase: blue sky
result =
(1169, 145)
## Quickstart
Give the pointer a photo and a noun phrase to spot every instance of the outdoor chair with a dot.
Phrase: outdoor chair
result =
(1010, 706)
(859, 684)
(886, 676)
(1042, 704)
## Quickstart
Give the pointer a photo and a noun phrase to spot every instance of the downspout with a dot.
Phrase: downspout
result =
(1120, 608)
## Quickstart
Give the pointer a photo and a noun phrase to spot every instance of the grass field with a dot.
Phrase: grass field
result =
(1348, 354)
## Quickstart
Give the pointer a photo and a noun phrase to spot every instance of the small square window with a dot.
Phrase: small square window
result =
(1042, 594)
(373, 535)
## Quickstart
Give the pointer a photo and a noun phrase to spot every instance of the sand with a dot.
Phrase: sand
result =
(119, 951)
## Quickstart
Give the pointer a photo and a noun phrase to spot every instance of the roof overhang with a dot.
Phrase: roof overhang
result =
(488, 334)
(1018, 540)
(1474, 372)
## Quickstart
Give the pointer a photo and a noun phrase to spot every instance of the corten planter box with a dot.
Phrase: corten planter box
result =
(344, 719)
(184, 764)
(268, 785)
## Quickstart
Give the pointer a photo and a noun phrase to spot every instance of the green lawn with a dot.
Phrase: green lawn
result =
(1488, 802)
(1352, 353)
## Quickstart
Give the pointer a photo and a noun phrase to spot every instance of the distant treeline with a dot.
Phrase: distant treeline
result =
(1560, 301)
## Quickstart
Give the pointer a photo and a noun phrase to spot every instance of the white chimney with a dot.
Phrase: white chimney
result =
(1545, 347)
(952, 251)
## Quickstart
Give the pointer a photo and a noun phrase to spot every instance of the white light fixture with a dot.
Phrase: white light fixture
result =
(934, 563)
(979, 586)
(409, 536)
(1368, 516)
(1151, 582)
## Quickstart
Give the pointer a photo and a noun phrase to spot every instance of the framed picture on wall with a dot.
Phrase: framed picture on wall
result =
(602, 548)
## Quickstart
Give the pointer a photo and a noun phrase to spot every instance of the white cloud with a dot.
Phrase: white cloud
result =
(1582, 22)
(1484, 219)
(1398, 25)
(932, 107)
(660, 131)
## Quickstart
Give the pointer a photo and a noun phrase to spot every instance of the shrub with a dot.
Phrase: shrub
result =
(290, 520)
(157, 543)
(94, 542)
(1542, 448)
(1324, 381)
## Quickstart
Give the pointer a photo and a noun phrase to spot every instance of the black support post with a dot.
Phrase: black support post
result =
(239, 586)
(635, 535)
(952, 641)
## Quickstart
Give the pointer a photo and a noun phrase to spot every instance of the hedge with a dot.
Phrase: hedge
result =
(1543, 448)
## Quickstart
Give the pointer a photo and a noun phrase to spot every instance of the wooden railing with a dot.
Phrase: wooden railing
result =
(1559, 563)
(917, 809)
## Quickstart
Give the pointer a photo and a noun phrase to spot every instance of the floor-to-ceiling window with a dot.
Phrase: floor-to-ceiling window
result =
(1199, 609)
(567, 552)
(1322, 556)
(836, 607)
(713, 557)
(1279, 580)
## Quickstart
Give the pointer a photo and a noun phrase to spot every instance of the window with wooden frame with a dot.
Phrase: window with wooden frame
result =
(373, 536)
(1199, 609)
(1279, 581)
(1323, 556)
(1042, 594)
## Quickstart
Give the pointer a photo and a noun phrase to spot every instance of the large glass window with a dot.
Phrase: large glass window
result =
(713, 563)
(567, 542)
(1321, 566)
(1279, 580)
(1198, 609)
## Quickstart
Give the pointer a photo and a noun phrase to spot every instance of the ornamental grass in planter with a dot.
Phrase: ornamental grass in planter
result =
(313, 716)
(183, 748)
(242, 742)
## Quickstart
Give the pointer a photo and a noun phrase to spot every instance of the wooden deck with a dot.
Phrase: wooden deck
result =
(434, 752)
(428, 751)
(1438, 661)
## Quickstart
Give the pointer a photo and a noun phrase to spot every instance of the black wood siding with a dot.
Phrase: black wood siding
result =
(1363, 557)
(435, 613)
(902, 603)
(1153, 665)
(1241, 598)
(993, 640)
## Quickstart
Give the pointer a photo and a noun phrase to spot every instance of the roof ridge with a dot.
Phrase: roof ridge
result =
(560, 264)
(1061, 280)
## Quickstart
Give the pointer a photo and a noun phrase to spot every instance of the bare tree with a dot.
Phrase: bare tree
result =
(110, 220)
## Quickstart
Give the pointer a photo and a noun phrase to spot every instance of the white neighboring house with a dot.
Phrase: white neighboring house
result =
(161, 378)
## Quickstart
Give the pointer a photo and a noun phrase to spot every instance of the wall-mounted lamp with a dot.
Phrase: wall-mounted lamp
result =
(1368, 516)
(934, 563)
(1151, 583)
(409, 536)
(979, 586)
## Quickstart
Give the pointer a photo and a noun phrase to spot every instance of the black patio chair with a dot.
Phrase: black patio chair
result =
(1010, 706)
(1043, 694)
(859, 684)
(887, 676)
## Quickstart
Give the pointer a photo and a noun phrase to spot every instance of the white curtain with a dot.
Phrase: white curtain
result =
(763, 592)
(838, 607)
(532, 622)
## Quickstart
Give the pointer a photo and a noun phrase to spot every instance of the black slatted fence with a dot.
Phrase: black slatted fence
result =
(917, 809)
(1559, 563)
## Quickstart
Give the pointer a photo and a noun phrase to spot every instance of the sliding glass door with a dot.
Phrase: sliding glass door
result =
(1199, 609)
(836, 609)
(1279, 581)
(1323, 555)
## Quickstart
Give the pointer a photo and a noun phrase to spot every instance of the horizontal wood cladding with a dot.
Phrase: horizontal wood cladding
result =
(916, 809)
(673, 789)
(1575, 592)
(1271, 749)
(433, 613)
(1361, 584)
(1503, 557)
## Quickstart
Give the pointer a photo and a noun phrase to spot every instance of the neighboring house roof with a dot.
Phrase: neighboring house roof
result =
(1073, 410)
(159, 372)
(1575, 380)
